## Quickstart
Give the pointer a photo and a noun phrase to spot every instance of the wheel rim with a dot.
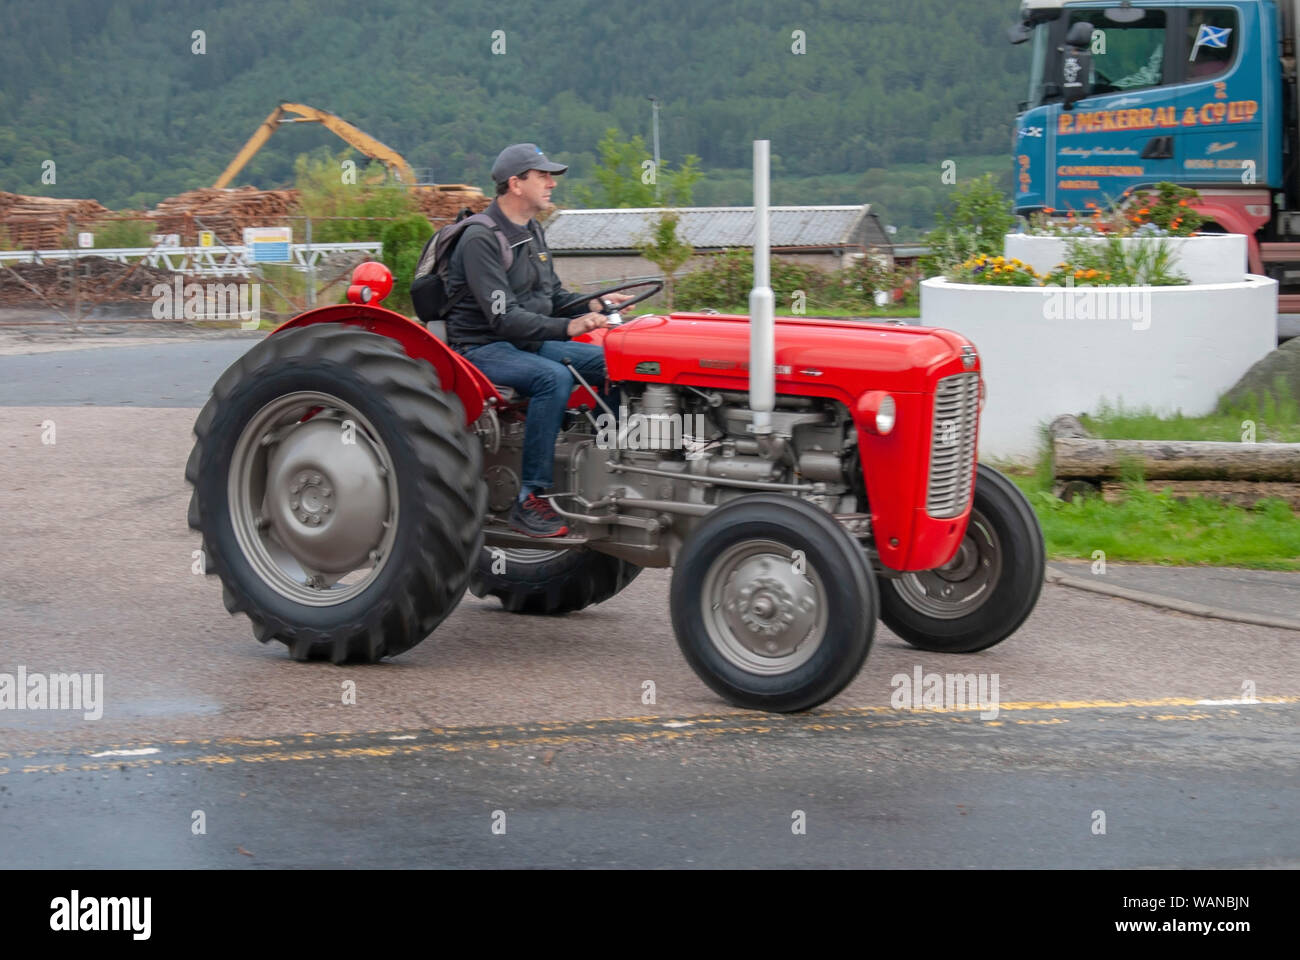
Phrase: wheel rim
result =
(313, 498)
(763, 611)
(964, 583)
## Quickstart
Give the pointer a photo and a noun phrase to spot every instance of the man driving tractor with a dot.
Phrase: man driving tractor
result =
(518, 323)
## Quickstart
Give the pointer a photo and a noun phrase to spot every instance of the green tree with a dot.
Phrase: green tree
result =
(977, 210)
(625, 176)
(324, 191)
(666, 250)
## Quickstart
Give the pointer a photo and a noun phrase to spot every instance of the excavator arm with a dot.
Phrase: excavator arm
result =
(358, 139)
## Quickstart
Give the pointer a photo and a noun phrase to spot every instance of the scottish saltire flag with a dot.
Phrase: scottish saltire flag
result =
(1208, 36)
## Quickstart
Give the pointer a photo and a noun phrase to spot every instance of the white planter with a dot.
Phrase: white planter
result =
(1213, 258)
(1178, 350)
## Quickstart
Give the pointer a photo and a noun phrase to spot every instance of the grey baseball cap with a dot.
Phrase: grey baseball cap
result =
(515, 159)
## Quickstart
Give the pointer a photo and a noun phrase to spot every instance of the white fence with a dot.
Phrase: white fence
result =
(219, 261)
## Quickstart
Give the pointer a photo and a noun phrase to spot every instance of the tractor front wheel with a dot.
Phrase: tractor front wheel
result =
(984, 593)
(339, 495)
(773, 603)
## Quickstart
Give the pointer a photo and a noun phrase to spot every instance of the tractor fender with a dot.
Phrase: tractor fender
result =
(455, 373)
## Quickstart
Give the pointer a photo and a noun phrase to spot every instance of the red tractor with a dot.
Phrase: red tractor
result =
(353, 476)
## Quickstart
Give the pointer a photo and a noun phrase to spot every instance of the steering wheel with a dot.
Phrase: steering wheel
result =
(610, 309)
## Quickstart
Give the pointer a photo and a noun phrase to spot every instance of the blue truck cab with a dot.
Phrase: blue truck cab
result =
(1189, 93)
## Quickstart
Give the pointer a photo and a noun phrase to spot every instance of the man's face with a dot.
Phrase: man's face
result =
(536, 189)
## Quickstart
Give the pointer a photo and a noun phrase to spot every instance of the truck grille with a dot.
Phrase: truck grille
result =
(952, 444)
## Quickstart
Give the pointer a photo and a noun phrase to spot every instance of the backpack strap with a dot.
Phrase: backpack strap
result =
(507, 254)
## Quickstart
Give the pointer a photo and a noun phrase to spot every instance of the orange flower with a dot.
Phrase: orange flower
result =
(1092, 206)
(1049, 210)
(1182, 203)
(1144, 211)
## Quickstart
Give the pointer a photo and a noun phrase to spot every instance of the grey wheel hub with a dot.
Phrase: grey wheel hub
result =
(963, 584)
(764, 610)
(313, 498)
(326, 499)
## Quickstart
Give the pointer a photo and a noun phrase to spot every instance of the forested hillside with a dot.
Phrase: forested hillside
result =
(114, 93)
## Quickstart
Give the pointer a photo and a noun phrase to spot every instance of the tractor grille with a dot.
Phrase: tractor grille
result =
(952, 444)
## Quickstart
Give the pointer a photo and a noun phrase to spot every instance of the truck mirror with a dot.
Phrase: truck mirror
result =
(1076, 64)
(1080, 36)
(1019, 32)
(1076, 67)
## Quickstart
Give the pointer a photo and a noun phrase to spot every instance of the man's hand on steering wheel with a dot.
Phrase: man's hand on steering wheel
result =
(609, 303)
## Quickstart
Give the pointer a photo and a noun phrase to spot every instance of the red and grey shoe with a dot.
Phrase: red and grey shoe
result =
(535, 517)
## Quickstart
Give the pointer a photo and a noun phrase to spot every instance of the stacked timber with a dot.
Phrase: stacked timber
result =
(41, 223)
(227, 212)
(90, 279)
(441, 204)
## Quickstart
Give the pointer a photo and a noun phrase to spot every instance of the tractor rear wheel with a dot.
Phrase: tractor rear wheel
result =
(773, 603)
(990, 586)
(549, 581)
(339, 495)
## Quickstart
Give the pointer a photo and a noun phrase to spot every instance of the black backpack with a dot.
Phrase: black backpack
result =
(429, 288)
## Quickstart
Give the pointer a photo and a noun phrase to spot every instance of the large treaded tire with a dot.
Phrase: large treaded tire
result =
(705, 581)
(1000, 505)
(439, 481)
(563, 583)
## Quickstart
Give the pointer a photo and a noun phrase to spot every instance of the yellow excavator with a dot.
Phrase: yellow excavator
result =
(358, 139)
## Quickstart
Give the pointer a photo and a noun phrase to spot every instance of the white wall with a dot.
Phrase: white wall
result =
(1212, 258)
(1039, 363)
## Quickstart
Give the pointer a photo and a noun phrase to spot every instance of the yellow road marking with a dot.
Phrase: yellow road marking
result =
(550, 734)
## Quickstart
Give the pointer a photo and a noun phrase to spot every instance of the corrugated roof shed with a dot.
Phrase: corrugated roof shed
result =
(713, 228)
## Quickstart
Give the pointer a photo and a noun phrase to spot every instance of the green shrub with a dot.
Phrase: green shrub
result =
(403, 240)
(122, 233)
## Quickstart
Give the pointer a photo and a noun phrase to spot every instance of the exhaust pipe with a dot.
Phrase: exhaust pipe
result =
(762, 326)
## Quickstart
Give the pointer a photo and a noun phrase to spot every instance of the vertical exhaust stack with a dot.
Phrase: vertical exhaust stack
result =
(762, 325)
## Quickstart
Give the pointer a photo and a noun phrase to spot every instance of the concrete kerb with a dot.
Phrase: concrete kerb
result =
(1169, 603)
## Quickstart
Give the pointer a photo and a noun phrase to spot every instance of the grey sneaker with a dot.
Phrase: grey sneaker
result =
(535, 517)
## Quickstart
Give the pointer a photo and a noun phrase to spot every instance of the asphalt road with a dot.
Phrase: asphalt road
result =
(1102, 706)
(1125, 786)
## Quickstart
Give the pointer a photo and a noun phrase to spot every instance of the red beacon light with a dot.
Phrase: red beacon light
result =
(371, 282)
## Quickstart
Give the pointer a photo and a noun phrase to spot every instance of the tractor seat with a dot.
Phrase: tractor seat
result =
(439, 329)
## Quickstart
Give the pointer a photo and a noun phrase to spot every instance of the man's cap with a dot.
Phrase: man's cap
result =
(515, 159)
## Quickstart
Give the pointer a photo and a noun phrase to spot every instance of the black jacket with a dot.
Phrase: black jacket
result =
(525, 306)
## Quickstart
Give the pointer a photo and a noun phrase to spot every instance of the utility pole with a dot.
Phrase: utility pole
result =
(654, 115)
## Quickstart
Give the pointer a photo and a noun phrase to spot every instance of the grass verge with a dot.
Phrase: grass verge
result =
(1151, 526)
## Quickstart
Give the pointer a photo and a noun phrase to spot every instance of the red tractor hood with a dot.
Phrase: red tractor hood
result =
(843, 358)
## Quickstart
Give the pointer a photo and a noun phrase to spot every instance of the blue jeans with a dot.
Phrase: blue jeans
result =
(544, 379)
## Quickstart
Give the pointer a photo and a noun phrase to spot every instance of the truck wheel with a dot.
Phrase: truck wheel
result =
(773, 603)
(339, 496)
(985, 592)
(549, 581)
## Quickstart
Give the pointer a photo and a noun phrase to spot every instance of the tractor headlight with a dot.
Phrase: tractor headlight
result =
(879, 411)
(885, 415)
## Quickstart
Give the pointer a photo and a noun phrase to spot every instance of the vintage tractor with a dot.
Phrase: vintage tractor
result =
(353, 475)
